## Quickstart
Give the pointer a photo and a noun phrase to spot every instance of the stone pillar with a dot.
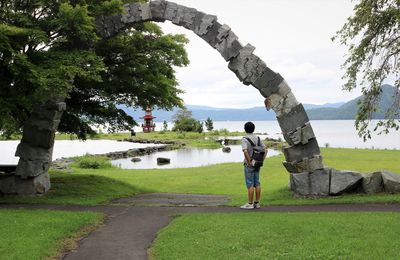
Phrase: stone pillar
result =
(35, 151)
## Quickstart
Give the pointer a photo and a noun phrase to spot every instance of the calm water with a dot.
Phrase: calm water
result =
(184, 158)
(69, 148)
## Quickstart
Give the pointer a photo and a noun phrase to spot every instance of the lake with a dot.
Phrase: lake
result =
(335, 133)
(187, 157)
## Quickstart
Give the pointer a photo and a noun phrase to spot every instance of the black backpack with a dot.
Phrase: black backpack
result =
(258, 153)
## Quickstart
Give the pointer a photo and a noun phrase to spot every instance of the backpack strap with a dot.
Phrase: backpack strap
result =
(251, 142)
(259, 141)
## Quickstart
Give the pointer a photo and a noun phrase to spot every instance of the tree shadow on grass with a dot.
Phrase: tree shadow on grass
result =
(79, 189)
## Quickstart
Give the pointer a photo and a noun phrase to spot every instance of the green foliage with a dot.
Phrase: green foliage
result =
(42, 234)
(372, 36)
(93, 162)
(280, 236)
(52, 49)
(184, 122)
(165, 126)
(209, 124)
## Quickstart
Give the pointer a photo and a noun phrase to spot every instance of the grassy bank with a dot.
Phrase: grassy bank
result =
(42, 234)
(97, 186)
(280, 236)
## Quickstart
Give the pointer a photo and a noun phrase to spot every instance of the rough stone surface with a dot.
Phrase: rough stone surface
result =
(30, 168)
(157, 8)
(300, 183)
(319, 182)
(30, 152)
(372, 183)
(136, 159)
(31, 186)
(298, 152)
(211, 36)
(344, 181)
(306, 165)
(7, 185)
(228, 44)
(300, 135)
(391, 182)
(206, 22)
(286, 104)
(243, 63)
(297, 117)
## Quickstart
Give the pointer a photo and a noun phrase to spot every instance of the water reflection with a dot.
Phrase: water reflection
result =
(188, 157)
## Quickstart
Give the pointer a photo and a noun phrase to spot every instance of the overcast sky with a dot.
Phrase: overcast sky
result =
(292, 36)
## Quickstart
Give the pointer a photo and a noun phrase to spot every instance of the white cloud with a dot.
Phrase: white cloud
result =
(292, 37)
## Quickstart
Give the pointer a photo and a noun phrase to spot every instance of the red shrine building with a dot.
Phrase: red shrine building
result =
(148, 125)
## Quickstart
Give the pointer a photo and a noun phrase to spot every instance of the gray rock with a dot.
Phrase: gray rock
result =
(29, 152)
(157, 8)
(372, 183)
(211, 37)
(319, 182)
(300, 183)
(297, 117)
(32, 186)
(136, 159)
(391, 181)
(206, 22)
(30, 168)
(7, 185)
(306, 165)
(271, 86)
(300, 135)
(238, 64)
(298, 152)
(161, 160)
(286, 104)
(170, 11)
(226, 149)
(344, 181)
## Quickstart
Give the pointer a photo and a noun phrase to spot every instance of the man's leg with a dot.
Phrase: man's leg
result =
(250, 194)
(258, 193)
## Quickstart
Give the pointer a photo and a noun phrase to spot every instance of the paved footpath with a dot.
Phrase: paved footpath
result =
(130, 229)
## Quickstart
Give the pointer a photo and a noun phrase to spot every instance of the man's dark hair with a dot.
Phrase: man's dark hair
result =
(249, 127)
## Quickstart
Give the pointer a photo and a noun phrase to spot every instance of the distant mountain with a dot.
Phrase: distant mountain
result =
(328, 111)
(349, 109)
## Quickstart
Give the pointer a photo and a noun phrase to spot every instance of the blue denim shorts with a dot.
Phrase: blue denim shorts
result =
(252, 176)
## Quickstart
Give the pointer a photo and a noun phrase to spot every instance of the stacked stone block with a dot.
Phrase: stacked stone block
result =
(35, 151)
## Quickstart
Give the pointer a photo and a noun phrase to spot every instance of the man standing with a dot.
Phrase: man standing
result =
(251, 173)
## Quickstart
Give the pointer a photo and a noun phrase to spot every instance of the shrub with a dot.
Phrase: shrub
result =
(93, 162)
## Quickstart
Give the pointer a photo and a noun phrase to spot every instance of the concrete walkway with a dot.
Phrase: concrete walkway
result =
(129, 229)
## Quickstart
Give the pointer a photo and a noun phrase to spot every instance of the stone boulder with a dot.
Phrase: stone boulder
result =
(136, 159)
(372, 183)
(161, 160)
(344, 181)
(391, 181)
(226, 149)
(310, 184)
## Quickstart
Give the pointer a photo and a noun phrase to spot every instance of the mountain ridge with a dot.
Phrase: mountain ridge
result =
(328, 111)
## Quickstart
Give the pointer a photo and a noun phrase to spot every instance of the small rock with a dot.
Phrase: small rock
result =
(226, 149)
(136, 159)
(161, 160)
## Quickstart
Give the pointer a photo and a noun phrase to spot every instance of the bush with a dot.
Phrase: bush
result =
(93, 162)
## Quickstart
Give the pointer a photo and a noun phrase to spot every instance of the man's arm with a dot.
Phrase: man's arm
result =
(266, 151)
(247, 157)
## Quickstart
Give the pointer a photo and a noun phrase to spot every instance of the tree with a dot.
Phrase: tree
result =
(165, 126)
(372, 36)
(209, 124)
(51, 49)
(183, 121)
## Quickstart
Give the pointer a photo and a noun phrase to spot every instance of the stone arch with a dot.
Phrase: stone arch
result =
(303, 153)
(303, 158)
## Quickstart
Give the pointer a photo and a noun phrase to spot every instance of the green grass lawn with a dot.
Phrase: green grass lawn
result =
(39, 234)
(97, 186)
(280, 236)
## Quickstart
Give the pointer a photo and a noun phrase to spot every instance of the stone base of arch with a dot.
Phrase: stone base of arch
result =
(35, 151)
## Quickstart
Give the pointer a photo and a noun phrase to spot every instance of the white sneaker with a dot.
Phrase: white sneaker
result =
(257, 205)
(247, 206)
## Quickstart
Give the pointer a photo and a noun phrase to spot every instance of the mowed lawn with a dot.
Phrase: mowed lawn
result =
(42, 234)
(280, 236)
(90, 186)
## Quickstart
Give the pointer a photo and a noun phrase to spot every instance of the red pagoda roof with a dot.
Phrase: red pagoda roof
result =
(148, 117)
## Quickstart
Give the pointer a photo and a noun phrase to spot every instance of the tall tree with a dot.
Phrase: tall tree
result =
(51, 49)
(209, 124)
(372, 36)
